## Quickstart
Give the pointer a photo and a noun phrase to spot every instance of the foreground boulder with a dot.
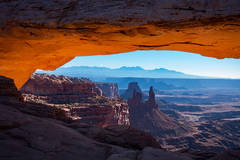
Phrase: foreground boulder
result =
(149, 153)
(8, 90)
(124, 136)
(28, 137)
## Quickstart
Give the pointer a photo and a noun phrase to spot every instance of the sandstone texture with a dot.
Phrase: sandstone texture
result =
(78, 97)
(44, 84)
(147, 117)
(124, 136)
(46, 34)
(8, 90)
(132, 86)
(109, 89)
(199, 139)
(214, 136)
(26, 134)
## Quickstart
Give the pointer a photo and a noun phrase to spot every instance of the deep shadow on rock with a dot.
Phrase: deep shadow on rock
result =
(124, 136)
(29, 135)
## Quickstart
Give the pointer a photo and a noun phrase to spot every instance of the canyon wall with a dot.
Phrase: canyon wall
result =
(132, 86)
(147, 117)
(46, 34)
(109, 89)
(36, 131)
(80, 97)
(60, 89)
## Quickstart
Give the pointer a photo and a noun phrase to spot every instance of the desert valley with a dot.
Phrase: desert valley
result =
(195, 123)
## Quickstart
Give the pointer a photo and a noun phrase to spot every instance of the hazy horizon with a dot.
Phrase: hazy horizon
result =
(185, 62)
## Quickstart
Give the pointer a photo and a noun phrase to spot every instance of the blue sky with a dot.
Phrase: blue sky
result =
(174, 60)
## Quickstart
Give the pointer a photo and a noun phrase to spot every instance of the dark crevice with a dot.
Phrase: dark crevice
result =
(169, 44)
(187, 9)
(28, 44)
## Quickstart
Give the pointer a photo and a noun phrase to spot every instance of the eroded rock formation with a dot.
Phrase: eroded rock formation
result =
(34, 131)
(8, 90)
(125, 136)
(146, 116)
(46, 34)
(80, 97)
(50, 85)
(109, 89)
(132, 87)
(29, 134)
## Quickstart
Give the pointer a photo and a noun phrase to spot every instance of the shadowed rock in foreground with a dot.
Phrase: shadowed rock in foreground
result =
(26, 134)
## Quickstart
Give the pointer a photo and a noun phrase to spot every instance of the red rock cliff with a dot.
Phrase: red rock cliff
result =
(146, 116)
(81, 97)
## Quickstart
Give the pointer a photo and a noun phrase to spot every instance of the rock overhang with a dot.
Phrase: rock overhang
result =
(46, 34)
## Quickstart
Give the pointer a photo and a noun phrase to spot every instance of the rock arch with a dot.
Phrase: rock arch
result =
(46, 34)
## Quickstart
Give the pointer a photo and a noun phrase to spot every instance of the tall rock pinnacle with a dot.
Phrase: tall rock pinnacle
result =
(151, 99)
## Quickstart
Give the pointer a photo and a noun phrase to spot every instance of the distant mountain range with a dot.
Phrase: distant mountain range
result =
(100, 73)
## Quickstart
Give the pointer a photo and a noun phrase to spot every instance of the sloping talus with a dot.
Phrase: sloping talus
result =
(48, 33)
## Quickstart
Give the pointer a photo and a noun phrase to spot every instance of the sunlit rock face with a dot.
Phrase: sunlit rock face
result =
(46, 34)
(80, 97)
(109, 89)
(60, 88)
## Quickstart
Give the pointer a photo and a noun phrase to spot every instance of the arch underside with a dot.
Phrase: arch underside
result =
(46, 37)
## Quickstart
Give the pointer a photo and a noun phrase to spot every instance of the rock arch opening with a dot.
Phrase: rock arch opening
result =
(46, 34)
(31, 37)
(179, 110)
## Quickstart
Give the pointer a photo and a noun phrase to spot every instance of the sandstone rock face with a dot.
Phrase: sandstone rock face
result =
(151, 99)
(147, 117)
(80, 98)
(103, 114)
(132, 86)
(28, 131)
(60, 89)
(44, 84)
(214, 136)
(109, 89)
(8, 90)
(229, 154)
(26, 134)
(147, 154)
(124, 136)
(46, 34)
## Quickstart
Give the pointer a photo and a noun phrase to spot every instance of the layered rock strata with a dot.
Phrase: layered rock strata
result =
(29, 135)
(109, 89)
(80, 97)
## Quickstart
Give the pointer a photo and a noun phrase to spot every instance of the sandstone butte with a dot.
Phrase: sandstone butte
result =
(46, 34)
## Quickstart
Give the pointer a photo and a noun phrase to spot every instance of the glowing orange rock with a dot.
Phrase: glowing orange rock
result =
(47, 34)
